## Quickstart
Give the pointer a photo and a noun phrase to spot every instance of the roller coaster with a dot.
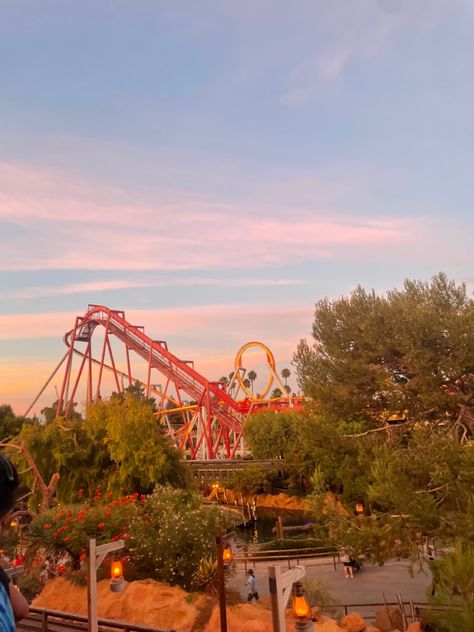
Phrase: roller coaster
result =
(204, 418)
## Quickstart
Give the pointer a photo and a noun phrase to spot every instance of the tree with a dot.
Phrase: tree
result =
(10, 424)
(142, 456)
(246, 382)
(285, 373)
(252, 376)
(273, 435)
(276, 393)
(374, 356)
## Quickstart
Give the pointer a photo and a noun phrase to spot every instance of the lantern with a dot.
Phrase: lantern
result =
(300, 606)
(227, 555)
(117, 582)
(116, 570)
(359, 508)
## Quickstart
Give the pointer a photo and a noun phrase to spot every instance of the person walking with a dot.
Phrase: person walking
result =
(252, 586)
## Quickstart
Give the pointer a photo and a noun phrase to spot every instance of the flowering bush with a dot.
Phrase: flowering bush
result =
(166, 534)
(68, 529)
(168, 541)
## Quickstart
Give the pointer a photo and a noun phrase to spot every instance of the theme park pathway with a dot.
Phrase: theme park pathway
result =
(368, 586)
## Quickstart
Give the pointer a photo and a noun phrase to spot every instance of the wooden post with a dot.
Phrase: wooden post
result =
(92, 625)
(220, 569)
(279, 528)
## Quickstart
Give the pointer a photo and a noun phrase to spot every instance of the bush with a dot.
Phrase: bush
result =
(317, 594)
(174, 534)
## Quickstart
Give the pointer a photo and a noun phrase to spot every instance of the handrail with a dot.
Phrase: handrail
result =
(286, 554)
(47, 613)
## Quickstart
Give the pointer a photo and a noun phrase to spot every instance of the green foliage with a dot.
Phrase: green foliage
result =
(175, 533)
(454, 586)
(256, 479)
(374, 355)
(65, 449)
(69, 528)
(319, 595)
(141, 455)
(10, 424)
(272, 435)
(120, 446)
(343, 464)
(206, 576)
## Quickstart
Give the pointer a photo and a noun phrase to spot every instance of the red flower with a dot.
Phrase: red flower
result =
(47, 526)
(101, 525)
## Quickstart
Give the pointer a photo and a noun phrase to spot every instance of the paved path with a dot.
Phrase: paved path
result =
(368, 586)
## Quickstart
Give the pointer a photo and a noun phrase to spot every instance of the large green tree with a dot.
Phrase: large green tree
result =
(271, 434)
(375, 356)
(141, 455)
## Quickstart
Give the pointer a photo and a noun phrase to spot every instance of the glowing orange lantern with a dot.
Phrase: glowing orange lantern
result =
(116, 570)
(359, 508)
(300, 606)
(227, 555)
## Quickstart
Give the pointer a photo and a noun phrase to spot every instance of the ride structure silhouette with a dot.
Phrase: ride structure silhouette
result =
(106, 353)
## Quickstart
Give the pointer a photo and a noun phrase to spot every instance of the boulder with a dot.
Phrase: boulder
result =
(147, 602)
(388, 619)
(353, 622)
(325, 624)
(242, 618)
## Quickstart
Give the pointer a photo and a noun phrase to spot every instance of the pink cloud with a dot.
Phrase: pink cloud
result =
(120, 284)
(66, 224)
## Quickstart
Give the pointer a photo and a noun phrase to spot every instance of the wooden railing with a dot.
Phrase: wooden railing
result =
(289, 555)
(46, 620)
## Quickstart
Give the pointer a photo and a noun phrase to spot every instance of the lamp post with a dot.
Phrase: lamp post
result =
(220, 572)
(97, 555)
(280, 587)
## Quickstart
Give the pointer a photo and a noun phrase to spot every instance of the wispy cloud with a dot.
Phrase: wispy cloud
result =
(62, 227)
(359, 32)
(121, 284)
(239, 320)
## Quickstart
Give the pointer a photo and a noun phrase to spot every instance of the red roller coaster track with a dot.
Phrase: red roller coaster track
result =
(103, 344)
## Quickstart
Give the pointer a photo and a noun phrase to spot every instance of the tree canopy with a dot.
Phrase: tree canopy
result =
(408, 352)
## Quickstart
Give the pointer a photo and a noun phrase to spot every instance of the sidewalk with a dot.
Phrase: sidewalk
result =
(368, 586)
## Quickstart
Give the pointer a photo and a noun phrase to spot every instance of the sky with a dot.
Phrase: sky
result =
(214, 168)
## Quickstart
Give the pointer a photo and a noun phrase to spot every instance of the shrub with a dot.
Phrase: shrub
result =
(174, 534)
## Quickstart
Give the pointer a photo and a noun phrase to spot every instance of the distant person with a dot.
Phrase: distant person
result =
(13, 606)
(348, 565)
(252, 586)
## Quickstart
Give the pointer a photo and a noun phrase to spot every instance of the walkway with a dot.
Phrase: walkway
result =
(368, 586)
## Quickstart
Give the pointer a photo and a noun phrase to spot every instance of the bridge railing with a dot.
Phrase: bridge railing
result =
(289, 555)
(47, 620)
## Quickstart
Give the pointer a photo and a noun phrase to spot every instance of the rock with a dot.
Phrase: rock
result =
(146, 602)
(388, 619)
(353, 622)
(242, 618)
(325, 624)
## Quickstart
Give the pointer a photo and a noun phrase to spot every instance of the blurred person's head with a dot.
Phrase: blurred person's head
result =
(8, 484)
